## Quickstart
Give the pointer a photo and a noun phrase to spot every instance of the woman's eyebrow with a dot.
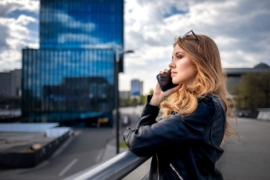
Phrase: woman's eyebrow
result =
(179, 52)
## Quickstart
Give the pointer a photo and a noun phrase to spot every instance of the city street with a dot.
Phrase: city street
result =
(81, 151)
(247, 159)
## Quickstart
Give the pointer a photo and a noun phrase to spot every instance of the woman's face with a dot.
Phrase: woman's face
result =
(183, 71)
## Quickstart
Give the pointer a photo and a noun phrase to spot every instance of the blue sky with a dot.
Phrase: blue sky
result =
(241, 29)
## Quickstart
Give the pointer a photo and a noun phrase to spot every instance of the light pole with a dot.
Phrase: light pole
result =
(117, 59)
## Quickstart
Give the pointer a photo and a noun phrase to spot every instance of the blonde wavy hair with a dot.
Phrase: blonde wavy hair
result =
(210, 79)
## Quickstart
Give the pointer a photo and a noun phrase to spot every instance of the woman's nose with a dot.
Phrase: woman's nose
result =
(171, 65)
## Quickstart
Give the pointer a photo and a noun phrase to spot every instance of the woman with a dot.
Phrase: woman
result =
(185, 144)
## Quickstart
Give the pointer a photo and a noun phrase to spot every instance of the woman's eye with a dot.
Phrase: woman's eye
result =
(178, 57)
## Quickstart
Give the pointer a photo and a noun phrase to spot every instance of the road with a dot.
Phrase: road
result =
(249, 158)
(80, 152)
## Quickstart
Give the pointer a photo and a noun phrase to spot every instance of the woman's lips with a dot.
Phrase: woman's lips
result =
(173, 73)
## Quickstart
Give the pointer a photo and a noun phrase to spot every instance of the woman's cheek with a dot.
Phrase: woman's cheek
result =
(178, 78)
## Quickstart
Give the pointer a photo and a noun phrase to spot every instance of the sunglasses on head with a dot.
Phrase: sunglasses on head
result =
(191, 31)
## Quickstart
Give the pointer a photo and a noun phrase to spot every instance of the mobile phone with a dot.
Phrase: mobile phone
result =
(165, 81)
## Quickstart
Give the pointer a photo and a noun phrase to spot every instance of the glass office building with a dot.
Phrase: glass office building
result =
(81, 23)
(70, 79)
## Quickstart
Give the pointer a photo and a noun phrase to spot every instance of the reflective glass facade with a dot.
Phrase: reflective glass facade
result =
(71, 77)
(81, 23)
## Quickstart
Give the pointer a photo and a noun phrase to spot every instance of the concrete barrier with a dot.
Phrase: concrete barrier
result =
(264, 114)
(30, 159)
(22, 153)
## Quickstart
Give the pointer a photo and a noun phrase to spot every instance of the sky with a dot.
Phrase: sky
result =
(241, 29)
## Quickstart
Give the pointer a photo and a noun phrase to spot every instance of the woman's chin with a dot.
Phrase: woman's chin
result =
(175, 82)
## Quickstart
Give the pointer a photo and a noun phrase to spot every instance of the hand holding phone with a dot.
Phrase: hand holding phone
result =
(165, 81)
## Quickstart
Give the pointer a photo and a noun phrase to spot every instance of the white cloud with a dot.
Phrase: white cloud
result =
(7, 6)
(225, 41)
(69, 21)
(24, 20)
(70, 37)
(240, 29)
(14, 33)
(17, 36)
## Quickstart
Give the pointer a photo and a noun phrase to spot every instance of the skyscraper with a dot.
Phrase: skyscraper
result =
(136, 87)
(70, 78)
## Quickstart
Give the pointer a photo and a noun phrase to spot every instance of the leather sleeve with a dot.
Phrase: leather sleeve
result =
(175, 130)
(149, 114)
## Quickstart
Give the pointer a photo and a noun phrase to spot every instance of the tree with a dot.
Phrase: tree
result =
(134, 102)
(143, 99)
(123, 102)
(253, 92)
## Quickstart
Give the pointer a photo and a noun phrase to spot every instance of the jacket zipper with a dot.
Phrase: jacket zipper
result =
(176, 172)
(157, 165)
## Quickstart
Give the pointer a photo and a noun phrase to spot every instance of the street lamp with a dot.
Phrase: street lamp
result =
(117, 59)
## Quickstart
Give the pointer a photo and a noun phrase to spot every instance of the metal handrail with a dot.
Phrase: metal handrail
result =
(115, 168)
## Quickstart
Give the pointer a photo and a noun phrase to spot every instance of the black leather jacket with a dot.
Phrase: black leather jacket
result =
(182, 147)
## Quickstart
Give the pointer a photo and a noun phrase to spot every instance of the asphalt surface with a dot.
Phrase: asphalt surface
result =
(81, 151)
(249, 157)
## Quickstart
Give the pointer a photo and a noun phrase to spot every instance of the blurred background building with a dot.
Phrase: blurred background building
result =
(10, 85)
(234, 74)
(136, 87)
(70, 78)
(250, 89)
(133, 97)
(10, 95)
(136, 92)
(124, 94)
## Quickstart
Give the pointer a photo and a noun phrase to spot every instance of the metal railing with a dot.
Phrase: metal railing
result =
(115, 168)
